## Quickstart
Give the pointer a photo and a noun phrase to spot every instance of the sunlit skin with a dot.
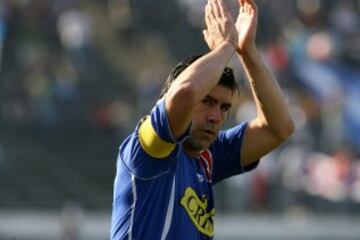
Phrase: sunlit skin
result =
(208, 118)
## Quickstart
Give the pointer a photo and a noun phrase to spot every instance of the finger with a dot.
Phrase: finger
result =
(207, 17)
(254, 8)
(242, 6)
(241, 3)
(222, 8)
(207, 8)
(214, 7)
(206, 35)
(208, 39)
(247, 7)
(211, 22)
(252, 3)
(251, 6)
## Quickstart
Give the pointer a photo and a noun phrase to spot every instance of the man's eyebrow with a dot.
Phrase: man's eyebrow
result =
(226, 104)
(212, 99)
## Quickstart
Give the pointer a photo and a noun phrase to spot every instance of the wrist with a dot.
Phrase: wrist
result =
(233, 44)
(228, 44)
(251, 56)
(250, 51)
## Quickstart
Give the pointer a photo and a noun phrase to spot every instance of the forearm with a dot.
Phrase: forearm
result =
(204, 74)
(193, 84)
(271, 107)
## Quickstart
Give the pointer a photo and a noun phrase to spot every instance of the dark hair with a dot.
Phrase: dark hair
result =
(227, 78)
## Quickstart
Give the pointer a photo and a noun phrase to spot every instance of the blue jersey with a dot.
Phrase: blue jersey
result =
(160, 192)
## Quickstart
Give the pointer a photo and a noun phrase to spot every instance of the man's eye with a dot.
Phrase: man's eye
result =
(207, 102)
(225, 109)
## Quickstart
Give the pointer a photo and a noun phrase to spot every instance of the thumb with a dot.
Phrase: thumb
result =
(208, 39)
(206, 34)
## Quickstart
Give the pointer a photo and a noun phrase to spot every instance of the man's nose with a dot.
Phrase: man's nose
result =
(215, 116)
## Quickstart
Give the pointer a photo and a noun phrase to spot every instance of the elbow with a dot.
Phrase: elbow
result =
(184, 92)
(286, 131)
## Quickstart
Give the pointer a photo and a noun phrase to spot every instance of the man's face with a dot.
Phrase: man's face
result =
(208, 117)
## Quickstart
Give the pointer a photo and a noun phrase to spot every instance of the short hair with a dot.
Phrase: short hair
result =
(227, 78)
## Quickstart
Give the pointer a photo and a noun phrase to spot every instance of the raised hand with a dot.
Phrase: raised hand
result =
(246, 25)
(220, 25)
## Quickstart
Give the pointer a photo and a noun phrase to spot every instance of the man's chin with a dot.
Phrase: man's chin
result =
(199, 144)
(205, 144)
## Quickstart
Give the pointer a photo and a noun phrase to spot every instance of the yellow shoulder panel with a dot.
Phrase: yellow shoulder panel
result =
(152, 143)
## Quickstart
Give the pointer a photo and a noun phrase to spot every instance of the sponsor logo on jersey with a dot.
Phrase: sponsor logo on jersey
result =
(196, 209)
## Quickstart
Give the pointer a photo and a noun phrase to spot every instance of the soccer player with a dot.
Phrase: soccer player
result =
(167, 167)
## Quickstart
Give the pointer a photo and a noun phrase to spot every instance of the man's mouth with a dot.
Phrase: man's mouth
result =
(209, 132)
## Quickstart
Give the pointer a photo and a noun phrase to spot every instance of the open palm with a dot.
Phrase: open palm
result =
(246, 24)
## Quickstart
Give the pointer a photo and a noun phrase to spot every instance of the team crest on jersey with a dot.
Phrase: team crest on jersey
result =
(196, 209)
(206, 162)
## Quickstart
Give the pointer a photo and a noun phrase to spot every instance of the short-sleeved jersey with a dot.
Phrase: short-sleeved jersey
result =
(160, 192)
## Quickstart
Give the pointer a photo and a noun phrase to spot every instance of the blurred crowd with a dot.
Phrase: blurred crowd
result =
(72, 64)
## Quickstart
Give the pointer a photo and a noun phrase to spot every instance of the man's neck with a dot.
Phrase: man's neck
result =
(190, 150)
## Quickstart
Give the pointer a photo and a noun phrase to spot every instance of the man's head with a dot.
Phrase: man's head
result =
(210, 114)
(227, 78)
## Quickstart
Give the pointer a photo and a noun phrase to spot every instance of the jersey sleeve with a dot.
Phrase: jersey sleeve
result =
(151, 150)
(226, 151)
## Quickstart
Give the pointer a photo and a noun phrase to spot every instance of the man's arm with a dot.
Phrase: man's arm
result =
(196, 81)
(273, 124)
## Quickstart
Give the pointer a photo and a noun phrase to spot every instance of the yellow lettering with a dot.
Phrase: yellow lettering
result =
(196, 209)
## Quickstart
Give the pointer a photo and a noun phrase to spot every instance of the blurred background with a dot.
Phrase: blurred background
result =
(76, 76)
